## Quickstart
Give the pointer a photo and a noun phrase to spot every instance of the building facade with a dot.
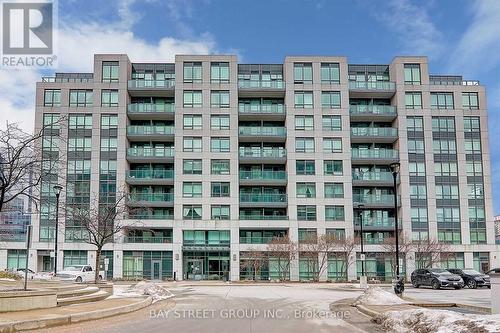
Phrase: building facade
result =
(219, 157)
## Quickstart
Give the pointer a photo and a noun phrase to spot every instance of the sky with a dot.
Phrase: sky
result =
(460, 37)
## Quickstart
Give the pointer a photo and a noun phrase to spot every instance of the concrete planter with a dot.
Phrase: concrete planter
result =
(27, 300)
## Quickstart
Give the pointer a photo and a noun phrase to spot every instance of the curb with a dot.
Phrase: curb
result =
(366, 311)
(74, 318)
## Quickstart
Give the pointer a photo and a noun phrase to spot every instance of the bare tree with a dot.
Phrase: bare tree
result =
(316, 250)
(405, 245)
(345, 249)
(21, 162)
(254, 260)
(282, 250)
(430, 252)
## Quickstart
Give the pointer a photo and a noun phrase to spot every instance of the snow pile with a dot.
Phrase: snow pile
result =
(156, 291)
(439, 321)
(7, 279)
(378, 296)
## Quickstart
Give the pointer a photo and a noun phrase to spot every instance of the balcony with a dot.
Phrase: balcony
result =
(147, 240)
(260, 88)
(150, 177)
(263, 200)
(375, 178)
(369, 89)
(148, 133)
(147, 88)
(269, 134)
(261, 111)
(151, 216)
(256, 239)
(150, 154)
(151, 200)
(262, 155)
(262, 177)
(373, 112)
(256, 217)
(374, 134)
(374, 156)
(151, 111)
(369, 224)
(375, 200)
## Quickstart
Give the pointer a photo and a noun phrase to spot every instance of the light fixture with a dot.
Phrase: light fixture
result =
(57, 189)
(395, 167)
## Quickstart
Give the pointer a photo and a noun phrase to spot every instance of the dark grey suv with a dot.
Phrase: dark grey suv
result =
(472, 278)
(436, 278)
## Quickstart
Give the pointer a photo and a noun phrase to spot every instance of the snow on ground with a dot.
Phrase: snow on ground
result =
(7, 279)
(438, 321)
(378, 296)
(142, 288)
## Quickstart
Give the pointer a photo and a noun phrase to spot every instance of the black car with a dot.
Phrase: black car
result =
(472, 278)
(436, 278)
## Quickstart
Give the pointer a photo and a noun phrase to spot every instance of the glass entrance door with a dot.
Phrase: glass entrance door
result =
(194, 269)
(156, 270)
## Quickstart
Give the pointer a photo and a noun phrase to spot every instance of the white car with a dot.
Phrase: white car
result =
(20, 272)
(77, 273)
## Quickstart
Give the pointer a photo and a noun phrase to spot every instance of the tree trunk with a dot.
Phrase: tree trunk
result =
(97, 260)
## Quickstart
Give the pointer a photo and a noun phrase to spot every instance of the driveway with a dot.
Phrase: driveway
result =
(479, 296)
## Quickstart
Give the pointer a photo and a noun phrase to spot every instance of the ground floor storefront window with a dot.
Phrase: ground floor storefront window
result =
(481, 261)
(452, 260)
(337, 267)
(308, 267)
(74, 257)
(16, 259)
(206, 265)
(151, 265)
(264, 267)
(380, 266)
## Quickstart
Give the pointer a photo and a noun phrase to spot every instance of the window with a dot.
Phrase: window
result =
(304, 145)
(418, 215)
(109, 121)
(416, 146)
(110, 71)
(16, 259)
(472, 146)
(414, 124)
(333, 168)
(305, 167)
(307, 236)
(471, 124)
(191, 212)
(219, 122)
(418, 192)
(334, 213)
(448, 214)
(80, 144)
(219, 99)
(442, 100)
(306, 213)
(416, 169)
(304, 99)
(192, 122)
(470, 100)
(52, 97)
(74, 257)
(412, 73)
(332, 145)
(80, 98)
(219, 145)
(191, 189)
(474, 168)
(476, 214)
(330, 73)
(330, 99)
(192, 144)
(332, 123)
(443, 124)
(109, 98)
(413, 100)
(219, 167)
(334, 190)
(475, 191)
(109, 144)
(220, 190)
(80, 121)
(446, 169)
(304, 123)
(192, 72)
(192, 167)
(302, 73)
(219, 72)
(443, 146)
(193, 99)
(220, 212)
(306, 190)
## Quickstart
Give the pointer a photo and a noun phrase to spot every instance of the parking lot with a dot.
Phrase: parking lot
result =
(479, 296)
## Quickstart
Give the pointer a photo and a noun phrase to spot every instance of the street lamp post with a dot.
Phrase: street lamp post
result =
(362, 280)
(57, 191)
(399, 286)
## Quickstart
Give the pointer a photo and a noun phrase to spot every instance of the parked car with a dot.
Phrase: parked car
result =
(20, 271)
(472, 278)
(494, 270)
(436, 278)
(77, 273)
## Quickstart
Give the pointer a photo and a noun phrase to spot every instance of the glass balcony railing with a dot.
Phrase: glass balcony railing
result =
(150, 130)
(372, 176)
(374, 131)
(368, 85)
(264, 198)
(207, 242)
(372, 109)
(263, 217)
(256, 240)
(150, 174)
(142, 239)
(254, 84)
(374, 240)
(151, 216)
(262, 152)
(263, 175)
(383, 199)
(369, 222)
(144, 84)
(152, 197)
(374, 153)
(150, 107)
(261, 130)
(151, 152)
(261, 108)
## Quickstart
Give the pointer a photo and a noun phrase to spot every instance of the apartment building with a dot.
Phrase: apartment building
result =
(220, 157)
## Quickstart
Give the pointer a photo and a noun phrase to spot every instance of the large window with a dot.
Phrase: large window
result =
(304, 145)
(16, 259)
(302, 73)
(332, 123)
(74, 257)
(191, 212)
(443, 124)
(305, 167)
(332, 145)
(192, 122)
(447, 191)
(219, 72)
(219, 145)
(192, 72)
(80, 121)
(192, 144)
(304, 99)
(334, 213)
(442, 100)
(334, 190)
(330, 99)
(220, 212)
(219, 167)
(418, 192)
(416, 169)
(219, 122)
(110, 71)
(333, 168)
(448, 169)
(470, 100)
(52, 97)
(473, 146)
(330, 73)
(474, 168)
(472, 124)
(81, 97)
(413, 100)
(443, 146)
(193, 99)
(414, 124)
(304, 123)
(109, 98)
(191, 190)
(219, 99)
(220, 189)
(192, 167)
(306, 190)
(412, 73)
(306, 213)
(416, 146)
